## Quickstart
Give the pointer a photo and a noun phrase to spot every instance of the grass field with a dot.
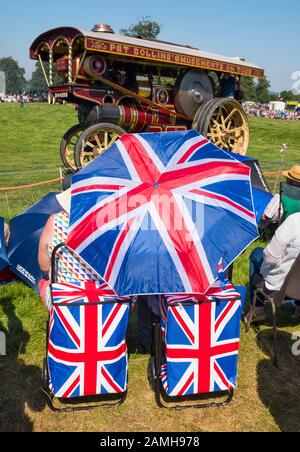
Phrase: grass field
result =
(267, 399)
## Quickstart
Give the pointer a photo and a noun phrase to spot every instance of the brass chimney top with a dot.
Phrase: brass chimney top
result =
(102, 28)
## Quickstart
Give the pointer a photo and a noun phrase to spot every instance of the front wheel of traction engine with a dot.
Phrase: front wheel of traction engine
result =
(94, 141)
(225, 123)
(67, 147)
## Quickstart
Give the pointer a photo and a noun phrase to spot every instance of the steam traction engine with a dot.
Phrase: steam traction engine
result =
(122, 84)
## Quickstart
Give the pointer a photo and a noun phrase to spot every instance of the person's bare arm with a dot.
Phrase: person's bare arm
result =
(284, 235)
(46, 237)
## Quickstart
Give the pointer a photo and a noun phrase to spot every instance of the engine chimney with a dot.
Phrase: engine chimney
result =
(103, 28)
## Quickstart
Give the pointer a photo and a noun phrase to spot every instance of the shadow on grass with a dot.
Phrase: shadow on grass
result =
(279, 388)
(19, 383)
(134, 345)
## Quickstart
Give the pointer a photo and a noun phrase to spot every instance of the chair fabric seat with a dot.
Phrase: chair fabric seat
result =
(290, 199)
(87, 350)
(202, 345)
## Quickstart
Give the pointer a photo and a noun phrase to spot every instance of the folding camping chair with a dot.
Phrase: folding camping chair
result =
(87, 359)
(290, 290)
(195, 351)
(290, 200)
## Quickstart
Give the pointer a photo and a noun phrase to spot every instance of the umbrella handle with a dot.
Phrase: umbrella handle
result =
(53, 262)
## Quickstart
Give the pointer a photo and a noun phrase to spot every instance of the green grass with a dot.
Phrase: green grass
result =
(29, 151)
(267, 399)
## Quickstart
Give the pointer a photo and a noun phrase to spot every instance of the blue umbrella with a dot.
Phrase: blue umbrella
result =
(157, 213)
(4, 262)
(26, 230)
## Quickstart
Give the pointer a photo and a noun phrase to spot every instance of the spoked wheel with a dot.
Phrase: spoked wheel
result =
(67, 147)
(94, 141)
(225, 123)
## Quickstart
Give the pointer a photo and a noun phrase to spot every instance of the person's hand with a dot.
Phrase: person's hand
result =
(45, 293)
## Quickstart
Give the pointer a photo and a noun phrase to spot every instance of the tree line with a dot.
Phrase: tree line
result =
(256, 91)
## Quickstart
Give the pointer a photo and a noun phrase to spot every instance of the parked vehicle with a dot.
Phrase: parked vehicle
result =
(123, 84)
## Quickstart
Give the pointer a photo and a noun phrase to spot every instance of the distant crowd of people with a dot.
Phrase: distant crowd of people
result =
(16, 98)
(22, 98)
(262, 111)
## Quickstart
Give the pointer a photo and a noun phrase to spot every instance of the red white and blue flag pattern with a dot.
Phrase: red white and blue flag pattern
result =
(87, 351)
(156, 212)
(202, 344)
(83, 292)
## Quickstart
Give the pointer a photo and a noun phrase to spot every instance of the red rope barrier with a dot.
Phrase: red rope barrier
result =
(273, 173)
(39, 184)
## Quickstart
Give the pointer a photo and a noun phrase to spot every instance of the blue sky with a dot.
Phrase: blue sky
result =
(265, 32)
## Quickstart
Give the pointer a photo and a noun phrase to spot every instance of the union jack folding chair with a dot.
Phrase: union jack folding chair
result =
(87, 359)
(195, 349)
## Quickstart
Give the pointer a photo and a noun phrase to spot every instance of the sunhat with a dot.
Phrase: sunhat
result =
(293, 173)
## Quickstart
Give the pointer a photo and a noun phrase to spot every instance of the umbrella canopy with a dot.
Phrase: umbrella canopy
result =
(260, 189)
(156, 213)
(26, 230)
(258, 180)
(4, 262)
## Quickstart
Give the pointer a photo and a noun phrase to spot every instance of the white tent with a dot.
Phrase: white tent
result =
(277, 106)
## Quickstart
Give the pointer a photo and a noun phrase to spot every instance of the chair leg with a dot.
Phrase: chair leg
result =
(251, 312)
(158, 363)
(275, 349)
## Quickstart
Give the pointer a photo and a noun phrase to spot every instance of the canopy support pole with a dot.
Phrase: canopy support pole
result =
(80, 65)
(44, 71)
(51, 67)
(70, 71)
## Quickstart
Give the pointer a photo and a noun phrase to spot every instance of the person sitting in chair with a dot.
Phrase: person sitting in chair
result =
(274, 263)
(70, 267)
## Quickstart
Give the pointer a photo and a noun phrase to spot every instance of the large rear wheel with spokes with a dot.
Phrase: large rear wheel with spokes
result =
(94, 141)
(225, 123)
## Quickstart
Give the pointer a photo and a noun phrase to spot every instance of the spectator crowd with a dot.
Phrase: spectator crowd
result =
(263, 111)
(22, 98)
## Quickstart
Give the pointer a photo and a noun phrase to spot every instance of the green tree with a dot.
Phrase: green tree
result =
(286, 96)
(38, 82)
(15, 75)
(146, 28)
(249, 89)
(262, 91)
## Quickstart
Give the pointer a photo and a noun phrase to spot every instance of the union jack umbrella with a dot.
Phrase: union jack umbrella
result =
(202, 344)
(156, 212)
(87, 351)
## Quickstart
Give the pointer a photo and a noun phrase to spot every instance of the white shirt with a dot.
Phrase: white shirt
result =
(281, 253)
